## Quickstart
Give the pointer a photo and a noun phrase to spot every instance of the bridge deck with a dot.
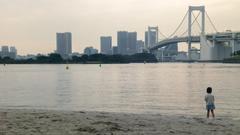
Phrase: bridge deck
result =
(219, 37)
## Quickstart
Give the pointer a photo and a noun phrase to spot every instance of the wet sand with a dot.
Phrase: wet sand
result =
(44, 122)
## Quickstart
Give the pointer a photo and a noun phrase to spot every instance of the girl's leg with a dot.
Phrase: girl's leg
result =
(212, 111)
(208, 111)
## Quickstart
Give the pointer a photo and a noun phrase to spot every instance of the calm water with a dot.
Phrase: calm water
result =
(135, 88)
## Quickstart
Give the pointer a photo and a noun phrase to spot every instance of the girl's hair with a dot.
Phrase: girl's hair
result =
(209, 90)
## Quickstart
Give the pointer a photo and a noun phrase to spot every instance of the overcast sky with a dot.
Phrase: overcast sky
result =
(31, 25)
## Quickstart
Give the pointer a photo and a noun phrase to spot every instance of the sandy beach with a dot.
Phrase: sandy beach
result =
(44, 122)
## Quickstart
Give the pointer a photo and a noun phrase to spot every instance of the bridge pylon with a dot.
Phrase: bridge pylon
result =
(190, 11)
(152, 37)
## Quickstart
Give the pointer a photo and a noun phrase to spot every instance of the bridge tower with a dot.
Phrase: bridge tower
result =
(152, 36)
(190, 10)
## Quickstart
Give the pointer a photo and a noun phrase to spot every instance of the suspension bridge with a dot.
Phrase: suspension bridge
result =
(213, 46)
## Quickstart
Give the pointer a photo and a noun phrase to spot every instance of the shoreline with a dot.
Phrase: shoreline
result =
(111, 63)
(24, 121)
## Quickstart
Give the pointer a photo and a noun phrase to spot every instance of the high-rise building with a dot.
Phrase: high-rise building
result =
(146, 40)
(5, 49)
(127, 42)
(140, 46)
(115, 50)
(106, 45)
(13, 49)
(12, 53)
(64, 44)
(122, 42)
(132, 43)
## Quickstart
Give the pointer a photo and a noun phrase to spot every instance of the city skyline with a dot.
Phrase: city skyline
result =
(31, 25)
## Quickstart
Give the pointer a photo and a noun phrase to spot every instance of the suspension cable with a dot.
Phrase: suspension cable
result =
(199, 26)
(211, 22)
(179, 25)
(195, 19)
(162, 34)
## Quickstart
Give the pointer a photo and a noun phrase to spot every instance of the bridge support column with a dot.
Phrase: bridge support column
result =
(237, 45)
(237, 42)
(225, 51)
(205, 49)
(189, 32)
(214, 50)
(234, 44)
(190, 10)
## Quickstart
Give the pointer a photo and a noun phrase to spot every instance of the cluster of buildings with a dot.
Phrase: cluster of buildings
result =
(64, 46)
(128, 43)
(7, 51)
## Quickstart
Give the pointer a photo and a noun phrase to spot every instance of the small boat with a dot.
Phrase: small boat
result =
(67, 67)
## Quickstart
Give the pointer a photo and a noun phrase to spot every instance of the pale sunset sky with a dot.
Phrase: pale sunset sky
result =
(31, 25)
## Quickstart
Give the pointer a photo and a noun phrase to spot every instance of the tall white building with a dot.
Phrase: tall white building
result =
(106, 45)
(64, 44)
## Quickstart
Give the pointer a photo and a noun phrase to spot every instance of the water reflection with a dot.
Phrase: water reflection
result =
(63, 91)
(176, 88)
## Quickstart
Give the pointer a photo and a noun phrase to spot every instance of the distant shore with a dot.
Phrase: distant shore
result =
(232, 60)
(105, 59)
(38, 122)
(54, 58)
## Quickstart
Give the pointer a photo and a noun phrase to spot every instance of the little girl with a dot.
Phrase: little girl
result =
(210, 106)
